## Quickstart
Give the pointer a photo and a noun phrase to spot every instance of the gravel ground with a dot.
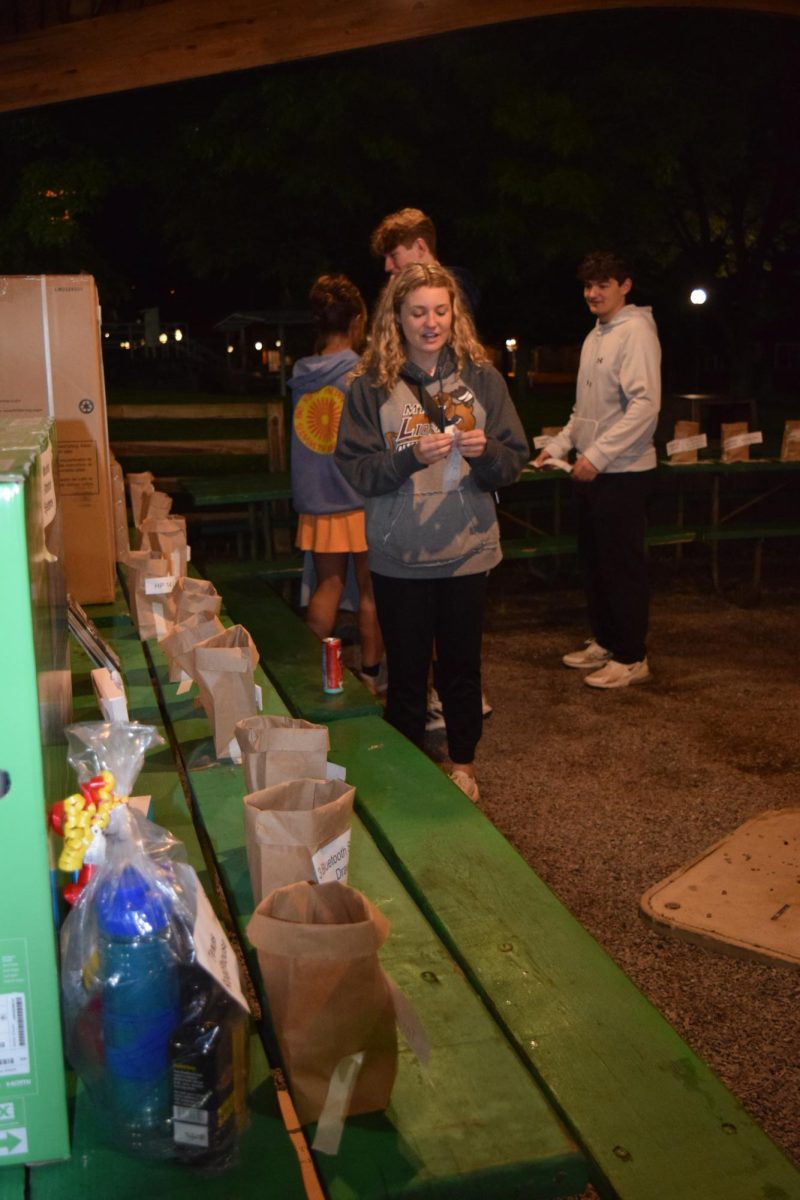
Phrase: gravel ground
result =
(605, 794)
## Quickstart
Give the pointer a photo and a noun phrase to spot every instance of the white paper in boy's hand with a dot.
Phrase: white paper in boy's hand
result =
(560, 464)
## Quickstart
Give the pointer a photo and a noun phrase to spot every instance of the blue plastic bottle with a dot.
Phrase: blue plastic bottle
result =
(140, 1008)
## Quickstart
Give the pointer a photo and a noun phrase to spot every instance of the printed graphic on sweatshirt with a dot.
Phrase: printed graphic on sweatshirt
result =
(316, 419)
(414, 424)
(458, 411)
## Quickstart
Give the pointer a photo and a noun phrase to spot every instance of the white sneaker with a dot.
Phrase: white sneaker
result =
(467, 783)
(435, 715)
(615, 674)
(592, 655)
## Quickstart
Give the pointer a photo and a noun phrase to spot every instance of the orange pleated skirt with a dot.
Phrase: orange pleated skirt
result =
(332, 533)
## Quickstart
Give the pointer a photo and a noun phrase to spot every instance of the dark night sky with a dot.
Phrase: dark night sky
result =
(528, 144)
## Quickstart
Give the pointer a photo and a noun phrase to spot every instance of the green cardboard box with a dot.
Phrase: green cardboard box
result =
(35, 701)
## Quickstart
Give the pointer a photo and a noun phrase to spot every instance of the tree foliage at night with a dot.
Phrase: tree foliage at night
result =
(671, 134)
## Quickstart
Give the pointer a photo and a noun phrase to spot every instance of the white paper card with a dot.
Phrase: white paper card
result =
(110, 694)
(234, 750)
(259, 697)
(159, 585)
(544, 439)
(334, 771)
(213, 950)
(409, 1024)
(331, 860)
(330, 1126)
(743, 439)
(186, 682)
(678, 445)
(560, 464)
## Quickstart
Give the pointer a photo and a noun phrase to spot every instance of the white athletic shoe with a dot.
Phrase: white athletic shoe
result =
(616, 675)
(468, 785)
(592, 655)
(435, 715)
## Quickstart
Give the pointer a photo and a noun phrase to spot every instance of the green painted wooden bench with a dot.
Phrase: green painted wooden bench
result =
(652, 1118)
(95, 1171)
(12, 1183)
(473, 1123)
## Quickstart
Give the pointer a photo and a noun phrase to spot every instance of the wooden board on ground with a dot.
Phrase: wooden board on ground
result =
(742, 895)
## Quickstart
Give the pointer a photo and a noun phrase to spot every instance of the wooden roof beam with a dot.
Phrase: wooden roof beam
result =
(185, 39)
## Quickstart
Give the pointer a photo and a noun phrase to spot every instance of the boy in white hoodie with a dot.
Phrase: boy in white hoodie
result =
(611, 427)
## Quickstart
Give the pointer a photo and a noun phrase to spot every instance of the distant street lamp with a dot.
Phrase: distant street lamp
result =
(698, 297)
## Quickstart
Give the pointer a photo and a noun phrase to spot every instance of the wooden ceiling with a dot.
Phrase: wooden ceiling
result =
(57, 50)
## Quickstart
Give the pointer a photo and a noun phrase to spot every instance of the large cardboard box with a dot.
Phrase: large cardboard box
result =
(51, 363)
(35, 701)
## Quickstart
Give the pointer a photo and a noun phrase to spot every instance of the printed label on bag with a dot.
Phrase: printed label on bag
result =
(743, 439)
(213, 950)
(698, 442)
(159, 585)
(331, 860)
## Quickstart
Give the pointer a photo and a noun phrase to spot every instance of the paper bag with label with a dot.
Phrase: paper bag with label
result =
(155, 504)
(150, 584)
(790, 443)
(223, 668)
(329, 999)
(277, 749)
(298, 830)
(194, 596)
(179, 643)
(731, 433)
(167, 535)
(683, 430)
(138, 482)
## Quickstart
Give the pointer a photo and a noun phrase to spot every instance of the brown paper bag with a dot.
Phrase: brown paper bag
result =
(222, 667)
(138, 482)
(288, 823)
(277, 749)
(730, 430)
(328, 996)
(193, 596)
(122, 543)
(155, 504)
(167, 535)
(685, 429)
(790, 445)
(150, 585)
(179, 643)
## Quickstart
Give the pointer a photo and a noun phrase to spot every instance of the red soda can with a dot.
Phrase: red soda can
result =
(332, 679)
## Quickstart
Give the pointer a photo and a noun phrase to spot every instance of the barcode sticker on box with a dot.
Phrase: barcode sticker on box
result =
(14, 1053)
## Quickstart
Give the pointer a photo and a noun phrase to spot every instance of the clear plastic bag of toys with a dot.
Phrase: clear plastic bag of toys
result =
(153, 1026)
